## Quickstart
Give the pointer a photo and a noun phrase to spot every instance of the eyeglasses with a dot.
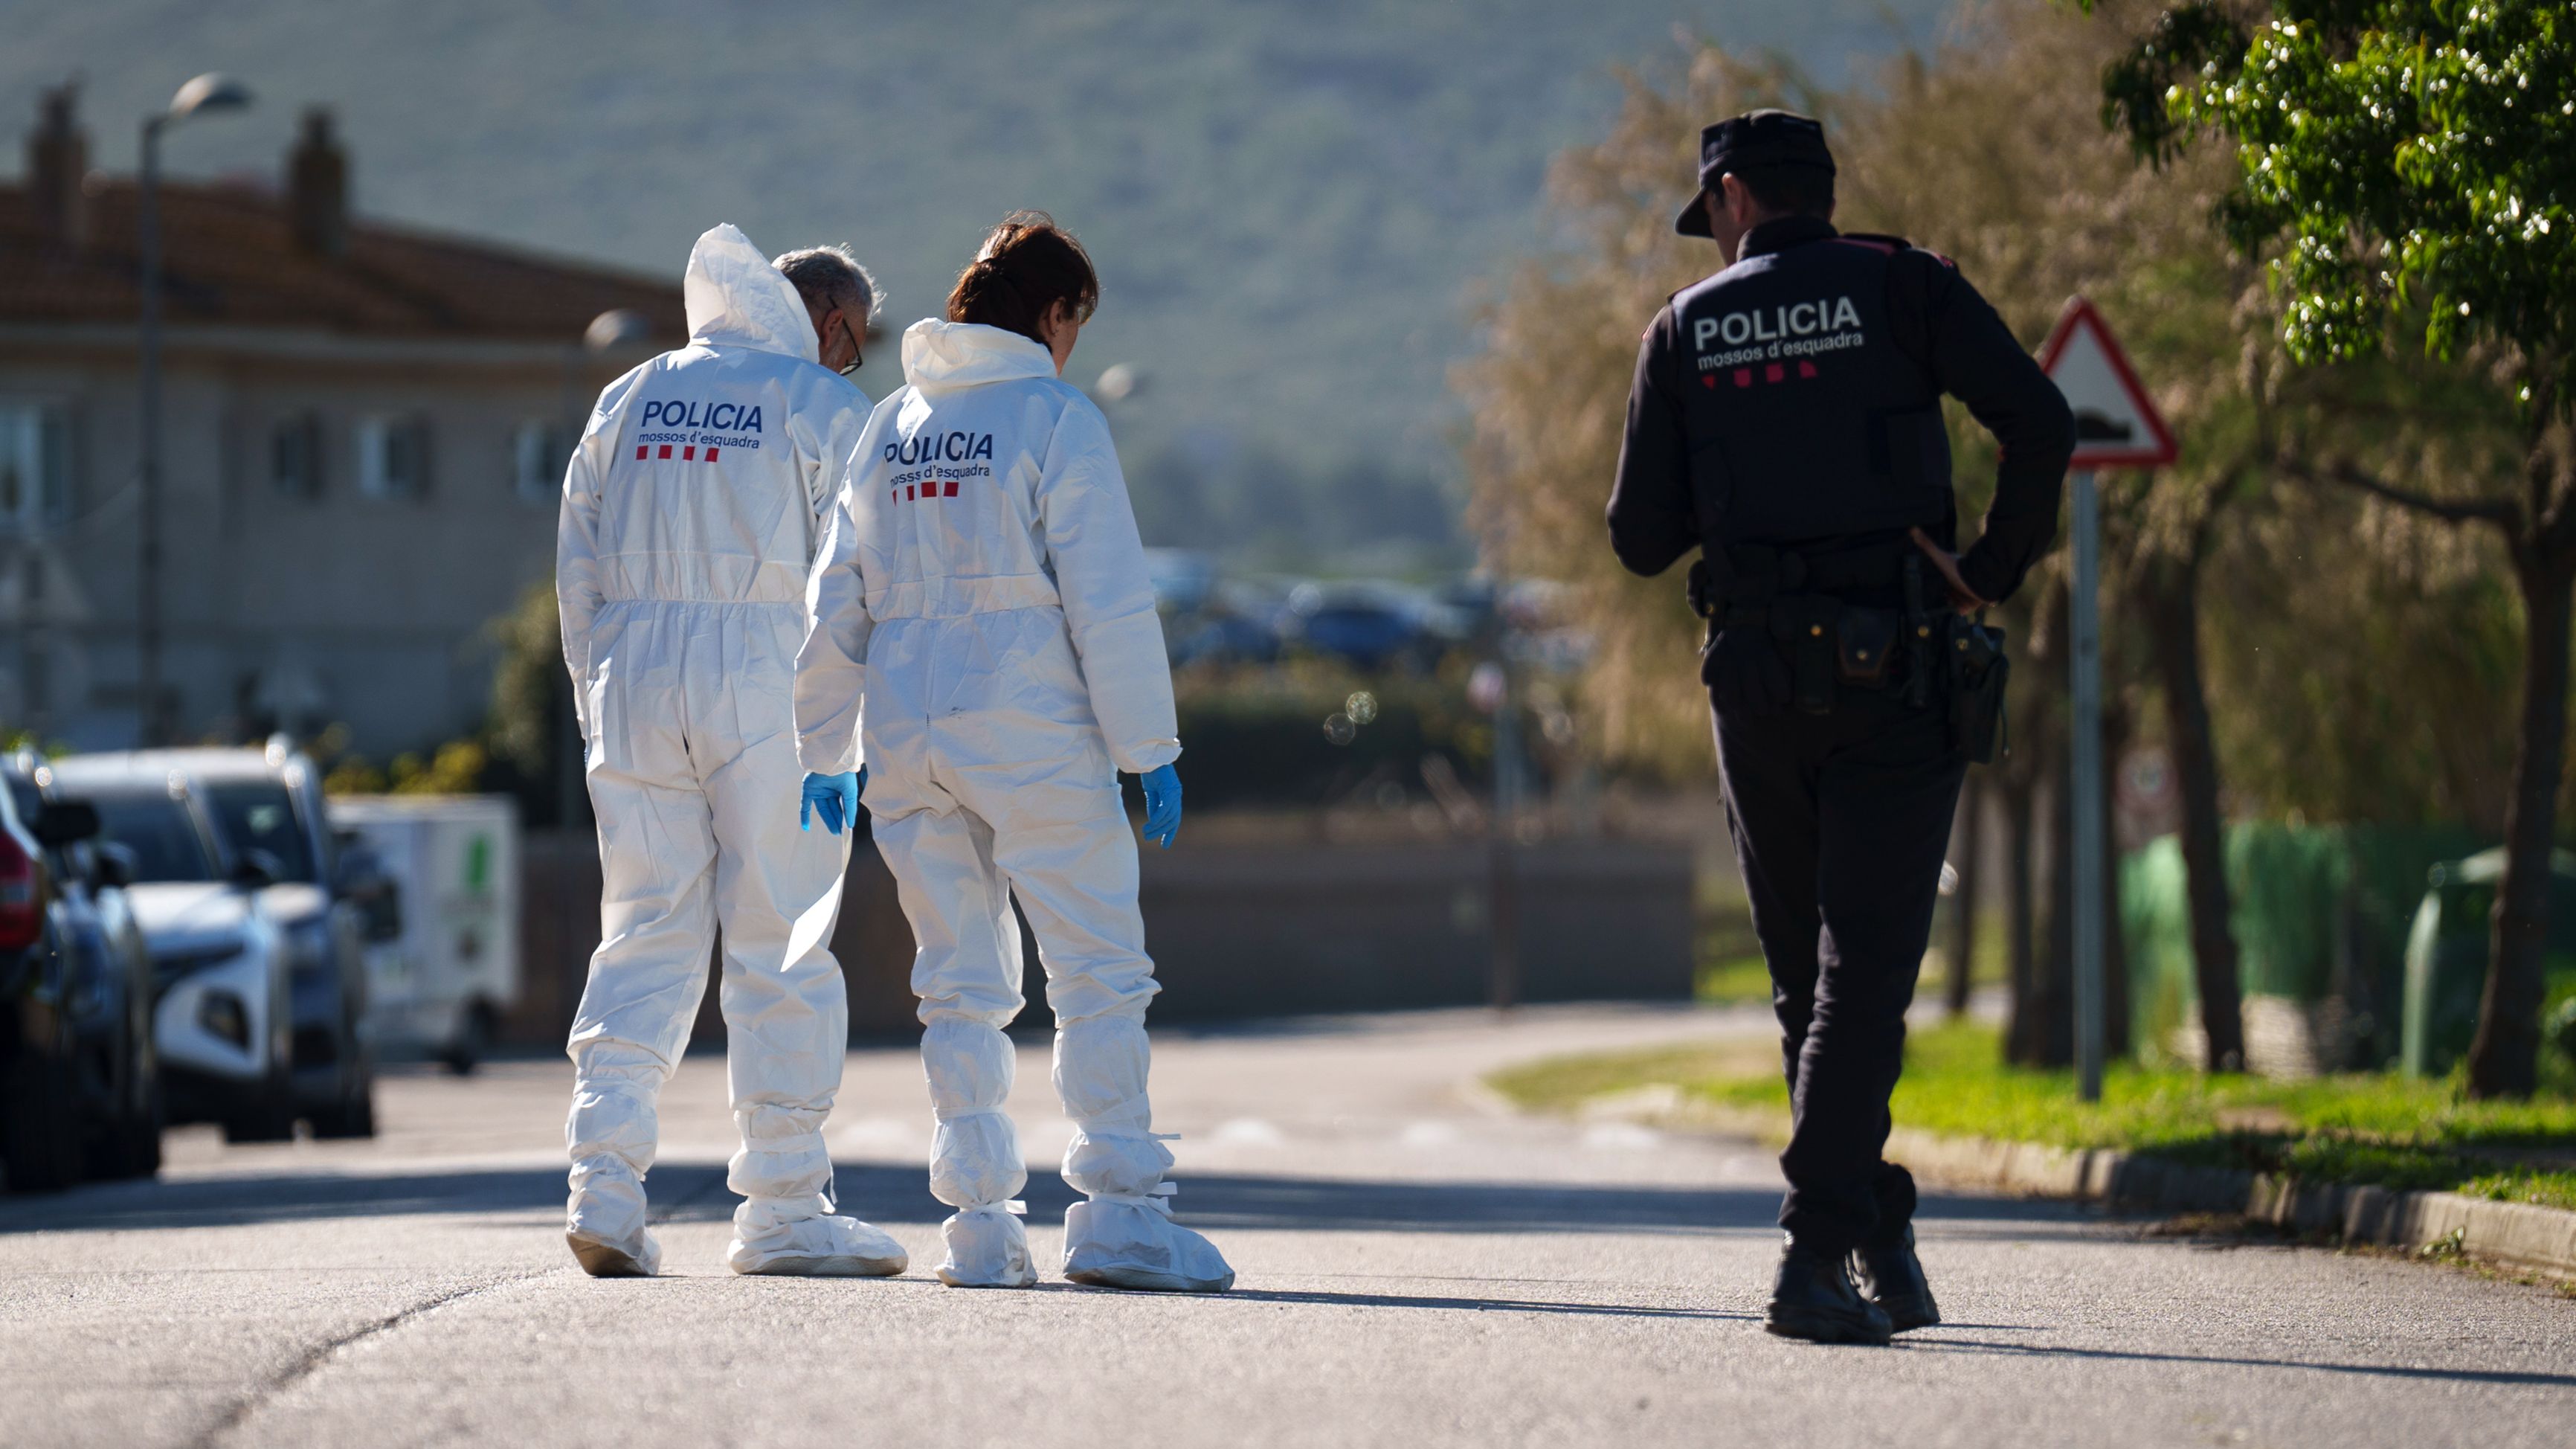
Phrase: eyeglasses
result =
(859, 341)
(858, 345)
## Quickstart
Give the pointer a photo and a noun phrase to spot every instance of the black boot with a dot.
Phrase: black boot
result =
(1814, 1299)
(1890, 1276)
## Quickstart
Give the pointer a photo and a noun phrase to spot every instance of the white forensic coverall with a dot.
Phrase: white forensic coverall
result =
(981, 603)
(690, 517)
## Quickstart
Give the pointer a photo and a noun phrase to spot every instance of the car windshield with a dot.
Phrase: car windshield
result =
(260, 815)
(157, 829)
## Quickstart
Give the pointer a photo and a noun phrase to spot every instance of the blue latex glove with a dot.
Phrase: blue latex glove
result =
(1162, 805)
(836, 796)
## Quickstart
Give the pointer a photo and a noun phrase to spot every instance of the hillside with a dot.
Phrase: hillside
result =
(1287, 200)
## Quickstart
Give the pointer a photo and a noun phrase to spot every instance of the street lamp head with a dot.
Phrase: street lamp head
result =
(213, 91)
(615, 329)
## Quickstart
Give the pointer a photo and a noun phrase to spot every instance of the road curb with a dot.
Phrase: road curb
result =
(2522, 1235)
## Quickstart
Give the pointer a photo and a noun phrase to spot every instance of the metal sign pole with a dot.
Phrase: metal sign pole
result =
(2084, 781)
(2116, 426)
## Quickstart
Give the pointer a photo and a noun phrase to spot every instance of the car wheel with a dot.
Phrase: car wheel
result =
(473, 1041)
(354, 1115)
(270, 1117)
(39, 1131)
(126, 1149)
(143, 1145)
(131, 1146)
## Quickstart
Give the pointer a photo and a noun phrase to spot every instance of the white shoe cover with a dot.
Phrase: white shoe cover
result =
(817, 1247)
(604, 1221)
(1133, 1243)
(987, 1248)
(636, 1257)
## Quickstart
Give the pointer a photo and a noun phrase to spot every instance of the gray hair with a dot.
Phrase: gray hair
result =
(828, 277)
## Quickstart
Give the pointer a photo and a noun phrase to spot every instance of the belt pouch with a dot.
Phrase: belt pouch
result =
(1865, 640)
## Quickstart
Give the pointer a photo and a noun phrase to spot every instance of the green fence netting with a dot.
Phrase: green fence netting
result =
(2319, 912)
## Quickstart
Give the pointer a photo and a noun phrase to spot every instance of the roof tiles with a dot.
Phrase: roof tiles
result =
(230, 259)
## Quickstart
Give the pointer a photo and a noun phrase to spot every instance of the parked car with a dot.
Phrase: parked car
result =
(39, 1058)
(1222, 635)
(114, 1092)
(1183, 579)
(1374, 626)
(258, 947)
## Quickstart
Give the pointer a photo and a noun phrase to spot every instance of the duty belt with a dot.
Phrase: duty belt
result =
(1801, 600)
(1832, 643)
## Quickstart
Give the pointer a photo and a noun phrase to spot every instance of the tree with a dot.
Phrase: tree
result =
(2166, 585)
(2409, 167)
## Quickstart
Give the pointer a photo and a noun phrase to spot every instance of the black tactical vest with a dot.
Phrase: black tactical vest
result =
(1806, 420)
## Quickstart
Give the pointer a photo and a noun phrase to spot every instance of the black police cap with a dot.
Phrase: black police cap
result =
(1747, 142)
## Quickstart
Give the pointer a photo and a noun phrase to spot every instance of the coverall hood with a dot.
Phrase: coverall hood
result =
(942, 357)
(737, 299)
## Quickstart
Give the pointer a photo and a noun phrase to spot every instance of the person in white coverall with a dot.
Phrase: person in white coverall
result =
(691, 513)
(984, 635)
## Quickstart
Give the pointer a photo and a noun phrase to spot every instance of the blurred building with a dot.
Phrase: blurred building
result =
(364, 432)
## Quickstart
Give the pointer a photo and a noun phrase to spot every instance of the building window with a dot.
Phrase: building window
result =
(537, 460)
(35, 465)
(295, 455)
(393, 457)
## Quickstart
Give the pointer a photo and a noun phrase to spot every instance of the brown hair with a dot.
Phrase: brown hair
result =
(1027, 265)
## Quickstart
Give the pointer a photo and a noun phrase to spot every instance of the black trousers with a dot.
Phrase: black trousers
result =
(1840, 823)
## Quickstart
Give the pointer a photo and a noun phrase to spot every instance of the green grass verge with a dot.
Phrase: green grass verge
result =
(1732, 971)
(2368, 1129)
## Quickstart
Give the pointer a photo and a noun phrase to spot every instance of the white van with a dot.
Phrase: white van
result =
(440, 978)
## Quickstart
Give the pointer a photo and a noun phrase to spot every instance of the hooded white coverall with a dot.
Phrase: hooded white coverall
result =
(691, 512)
(981, 602)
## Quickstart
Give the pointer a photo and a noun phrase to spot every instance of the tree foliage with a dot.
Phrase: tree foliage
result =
(2409, 162)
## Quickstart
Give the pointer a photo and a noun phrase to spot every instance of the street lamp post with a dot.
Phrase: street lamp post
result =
(2084, 632)
(208, 92)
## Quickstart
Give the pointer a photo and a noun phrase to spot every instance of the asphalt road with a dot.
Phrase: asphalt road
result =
(1416, 1267)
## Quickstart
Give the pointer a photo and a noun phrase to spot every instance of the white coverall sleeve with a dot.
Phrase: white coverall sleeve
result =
(1099, 565)
(824, 439)
(577, 589)
(831, 667)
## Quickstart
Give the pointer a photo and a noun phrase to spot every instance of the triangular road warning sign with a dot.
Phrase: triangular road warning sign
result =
(2116, 426)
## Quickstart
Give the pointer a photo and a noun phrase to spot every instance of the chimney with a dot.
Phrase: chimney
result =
(57, 160)
(317, 188)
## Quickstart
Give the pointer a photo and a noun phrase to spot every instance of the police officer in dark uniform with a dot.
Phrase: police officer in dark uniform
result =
(1786, 421)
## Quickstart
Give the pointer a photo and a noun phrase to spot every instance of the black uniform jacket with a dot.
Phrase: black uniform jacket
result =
(1811, 447)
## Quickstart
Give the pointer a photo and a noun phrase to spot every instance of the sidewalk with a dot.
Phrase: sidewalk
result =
(2367, 1160)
